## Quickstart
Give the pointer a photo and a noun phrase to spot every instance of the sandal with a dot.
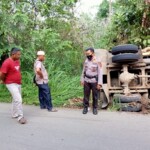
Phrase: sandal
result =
(22, 120)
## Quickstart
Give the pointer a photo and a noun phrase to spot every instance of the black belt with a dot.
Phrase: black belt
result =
(91, 77)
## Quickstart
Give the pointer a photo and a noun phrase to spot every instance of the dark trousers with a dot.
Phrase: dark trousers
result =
(87, 90)
(45, 96)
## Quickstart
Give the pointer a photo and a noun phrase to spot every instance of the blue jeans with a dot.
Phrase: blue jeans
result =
(45, 96)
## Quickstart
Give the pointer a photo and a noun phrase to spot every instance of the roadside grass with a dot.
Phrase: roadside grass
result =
(116, 105)
(4, 95)
(63, 87)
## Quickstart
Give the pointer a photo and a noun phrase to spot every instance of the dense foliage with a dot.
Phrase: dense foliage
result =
(127, 24)
(41, 24)
(51, 25)
(103, 9)
(34, 25)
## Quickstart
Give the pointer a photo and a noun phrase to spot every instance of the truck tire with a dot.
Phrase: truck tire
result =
(128, 99)
(131, 108)
(126, 48)
(125, 58)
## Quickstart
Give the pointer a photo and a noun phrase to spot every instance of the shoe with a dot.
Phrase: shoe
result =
(52, 110)
(22, 120)
(95, 112)
(85, 110)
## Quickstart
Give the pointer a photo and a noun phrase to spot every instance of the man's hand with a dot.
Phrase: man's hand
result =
(99, 86)
(82, 83)
(41, 76)
(1, 82)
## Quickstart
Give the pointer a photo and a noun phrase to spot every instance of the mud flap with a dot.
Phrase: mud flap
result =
(104, 96)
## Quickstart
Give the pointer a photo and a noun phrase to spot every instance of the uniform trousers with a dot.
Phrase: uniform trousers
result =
(88, 87)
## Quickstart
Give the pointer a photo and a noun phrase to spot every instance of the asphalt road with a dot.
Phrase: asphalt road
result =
(71, 130)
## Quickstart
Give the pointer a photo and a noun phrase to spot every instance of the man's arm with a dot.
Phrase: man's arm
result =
(38, 66)
(2, 76)
(39, 72)
(4, 70)
(82, 75)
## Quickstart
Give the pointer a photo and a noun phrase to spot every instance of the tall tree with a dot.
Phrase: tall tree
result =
(146, 15)
(104, 9)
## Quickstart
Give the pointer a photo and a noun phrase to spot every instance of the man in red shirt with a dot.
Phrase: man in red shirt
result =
(11, 76)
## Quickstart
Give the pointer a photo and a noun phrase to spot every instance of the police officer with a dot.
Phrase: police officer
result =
(91, 79)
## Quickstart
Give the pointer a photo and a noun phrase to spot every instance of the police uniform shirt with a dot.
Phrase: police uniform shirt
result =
(92, 68)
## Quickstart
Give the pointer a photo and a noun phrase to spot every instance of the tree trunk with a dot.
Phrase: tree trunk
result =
(145, 19)
(110, 9)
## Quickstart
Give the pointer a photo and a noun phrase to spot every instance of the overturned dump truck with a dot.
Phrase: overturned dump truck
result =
(126, 77)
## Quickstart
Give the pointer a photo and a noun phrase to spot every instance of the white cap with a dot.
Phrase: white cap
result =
(40, 53)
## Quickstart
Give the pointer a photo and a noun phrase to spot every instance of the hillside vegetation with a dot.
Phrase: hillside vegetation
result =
(53, 27)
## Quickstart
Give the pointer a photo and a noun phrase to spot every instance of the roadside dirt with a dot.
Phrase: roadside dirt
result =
(74, 103)
(77, 103)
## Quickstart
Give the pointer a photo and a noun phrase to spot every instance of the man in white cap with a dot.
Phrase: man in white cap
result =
(41, 79)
